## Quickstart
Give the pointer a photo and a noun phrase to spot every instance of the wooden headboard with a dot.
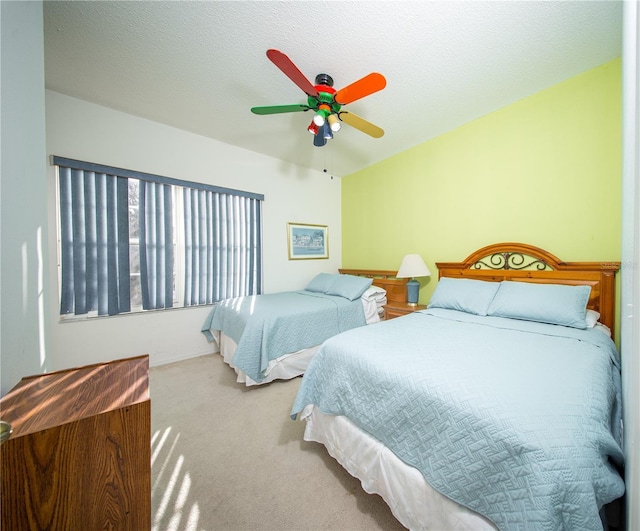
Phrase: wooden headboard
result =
(525, 263)
(396, 287)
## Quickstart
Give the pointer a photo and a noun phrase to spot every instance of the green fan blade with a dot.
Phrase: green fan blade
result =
(275, 109)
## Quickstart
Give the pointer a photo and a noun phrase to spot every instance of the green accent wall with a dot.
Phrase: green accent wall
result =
(545, 170)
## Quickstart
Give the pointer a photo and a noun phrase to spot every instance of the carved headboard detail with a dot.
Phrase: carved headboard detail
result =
(526, 263)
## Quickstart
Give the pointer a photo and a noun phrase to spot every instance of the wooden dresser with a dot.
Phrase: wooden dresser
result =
(79, 456)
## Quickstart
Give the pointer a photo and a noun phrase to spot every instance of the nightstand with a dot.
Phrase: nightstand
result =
(398, 309)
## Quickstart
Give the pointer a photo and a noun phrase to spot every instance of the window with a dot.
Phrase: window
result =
(131, 241)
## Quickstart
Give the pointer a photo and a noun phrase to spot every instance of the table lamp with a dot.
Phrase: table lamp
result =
(413, 266)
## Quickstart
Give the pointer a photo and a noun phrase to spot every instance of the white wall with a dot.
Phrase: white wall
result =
(630, 271)
(23, 329)
(84, 131)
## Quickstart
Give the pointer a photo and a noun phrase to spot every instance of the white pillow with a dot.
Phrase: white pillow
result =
(591, 318)
(375, 293)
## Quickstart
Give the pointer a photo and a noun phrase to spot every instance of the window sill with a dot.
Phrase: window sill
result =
(93, 316)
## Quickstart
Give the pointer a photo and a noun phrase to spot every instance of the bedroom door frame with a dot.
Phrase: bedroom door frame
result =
(630, 270)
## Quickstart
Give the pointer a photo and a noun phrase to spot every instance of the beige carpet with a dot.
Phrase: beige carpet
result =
(226, 457)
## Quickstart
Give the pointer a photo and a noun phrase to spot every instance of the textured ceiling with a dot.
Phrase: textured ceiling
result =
(201, 66)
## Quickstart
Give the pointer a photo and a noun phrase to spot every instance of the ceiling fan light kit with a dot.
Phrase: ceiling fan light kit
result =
(334, 122)
(325, 101)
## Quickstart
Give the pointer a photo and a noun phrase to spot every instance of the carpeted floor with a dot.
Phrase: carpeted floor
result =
(226, 457)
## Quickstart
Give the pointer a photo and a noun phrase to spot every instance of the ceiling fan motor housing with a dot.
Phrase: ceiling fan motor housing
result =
(324, 79)
(324, 101)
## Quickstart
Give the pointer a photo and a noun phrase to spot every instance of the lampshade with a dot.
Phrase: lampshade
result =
(318, 119)
(413, 266)
(326, 131)
(334, 122)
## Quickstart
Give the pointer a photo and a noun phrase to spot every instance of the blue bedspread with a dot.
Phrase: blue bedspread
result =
(519, 421)
(268, 326)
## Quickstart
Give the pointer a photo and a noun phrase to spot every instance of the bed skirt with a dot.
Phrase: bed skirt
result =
(283, 368)
(411, 499)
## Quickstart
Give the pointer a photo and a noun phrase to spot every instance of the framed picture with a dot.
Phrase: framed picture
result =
(307, 241)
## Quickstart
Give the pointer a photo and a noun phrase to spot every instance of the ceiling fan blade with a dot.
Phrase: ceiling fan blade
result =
(291, 71)
(361, 88)
(361, 124)
(276, 109)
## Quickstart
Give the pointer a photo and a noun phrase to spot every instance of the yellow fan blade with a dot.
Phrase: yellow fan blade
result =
(361, 124)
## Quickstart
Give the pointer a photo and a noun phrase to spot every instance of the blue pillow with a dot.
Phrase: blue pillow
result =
(464, 294)
(321, 282)
(349, 286)
(547, 303)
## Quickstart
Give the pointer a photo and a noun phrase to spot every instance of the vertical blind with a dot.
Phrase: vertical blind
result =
(156, 245)
(221, 256)
(94, 231)
(222, 244)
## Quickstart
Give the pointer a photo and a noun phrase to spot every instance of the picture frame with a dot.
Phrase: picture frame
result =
(307, 241)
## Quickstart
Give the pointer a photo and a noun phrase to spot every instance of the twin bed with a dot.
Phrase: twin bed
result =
(274, 336)
(496, 407)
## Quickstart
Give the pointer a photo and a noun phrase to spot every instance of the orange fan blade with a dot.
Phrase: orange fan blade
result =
(361, 88)
(291, 71)
(361, 124)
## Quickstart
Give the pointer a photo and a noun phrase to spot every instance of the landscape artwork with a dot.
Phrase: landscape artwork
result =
(307, 241)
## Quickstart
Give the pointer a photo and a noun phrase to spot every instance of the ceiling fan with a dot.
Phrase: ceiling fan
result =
(325, 101)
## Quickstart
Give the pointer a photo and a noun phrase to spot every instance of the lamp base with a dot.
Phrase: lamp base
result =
(413, 289)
